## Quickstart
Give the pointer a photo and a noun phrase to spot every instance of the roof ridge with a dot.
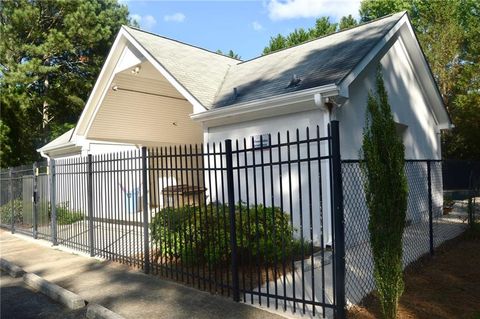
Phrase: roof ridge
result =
(366, 54)
(324, 36)
(220, 87)
(183, 43)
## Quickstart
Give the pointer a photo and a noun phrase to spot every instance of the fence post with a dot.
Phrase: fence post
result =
(35, 201)
(91, 243)
(471, 209)
(430, 208)
(12, 206)
(146, 248)
(231, 210)
(53, 201)
(338, 220)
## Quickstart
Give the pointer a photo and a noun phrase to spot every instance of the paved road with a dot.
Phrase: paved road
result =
(18, 301)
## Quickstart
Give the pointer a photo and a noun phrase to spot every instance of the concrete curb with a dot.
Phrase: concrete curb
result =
(12, 269)
(57, 293)
(95, 311)
(66, 297)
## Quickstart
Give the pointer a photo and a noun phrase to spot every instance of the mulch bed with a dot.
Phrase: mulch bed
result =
(446, 285)
(251, 275)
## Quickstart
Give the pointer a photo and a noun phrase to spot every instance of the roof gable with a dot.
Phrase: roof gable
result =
(210, 80)
(201, 72)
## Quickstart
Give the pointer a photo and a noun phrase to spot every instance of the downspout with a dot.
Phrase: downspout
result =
(44, 155)
(328, 105)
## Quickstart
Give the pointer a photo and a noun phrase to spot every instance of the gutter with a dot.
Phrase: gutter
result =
(45, 153)
(267, 105)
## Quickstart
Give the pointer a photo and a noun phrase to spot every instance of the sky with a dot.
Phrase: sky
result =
(242, 26)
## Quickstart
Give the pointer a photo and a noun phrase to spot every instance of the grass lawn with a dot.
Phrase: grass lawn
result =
(445, 286)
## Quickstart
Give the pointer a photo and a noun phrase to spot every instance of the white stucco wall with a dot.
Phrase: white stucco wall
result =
(273, 126)
(409, 106)
(421, 140)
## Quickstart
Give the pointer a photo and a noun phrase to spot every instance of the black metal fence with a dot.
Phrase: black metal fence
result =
(254, 220)
(246, 219)
(279, 221)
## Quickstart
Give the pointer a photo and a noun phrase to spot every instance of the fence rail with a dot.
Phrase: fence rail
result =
(281, 223)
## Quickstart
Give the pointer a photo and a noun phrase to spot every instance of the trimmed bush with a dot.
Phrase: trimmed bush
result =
(6, 212)
(65, 216)
(203, 234)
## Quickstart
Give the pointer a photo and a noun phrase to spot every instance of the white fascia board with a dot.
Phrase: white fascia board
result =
(57, 147)
(445, 126)
(100, 100)
(426, 82)
(179, 87)
(382, 45)
(99, 87)
(80, 144)
(262, 108)
(62, 150)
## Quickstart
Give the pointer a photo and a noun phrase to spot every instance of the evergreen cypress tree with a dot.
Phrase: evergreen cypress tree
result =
(386, 194)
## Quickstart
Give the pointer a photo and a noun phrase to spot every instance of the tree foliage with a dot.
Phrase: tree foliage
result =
(347, 22)
(51, 53)
(374, 9)
(322, 27)
(448, 32)
(230, 54)
(386, 195)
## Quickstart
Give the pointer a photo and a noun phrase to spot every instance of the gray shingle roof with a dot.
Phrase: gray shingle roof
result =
(211, 78)
(199, 71)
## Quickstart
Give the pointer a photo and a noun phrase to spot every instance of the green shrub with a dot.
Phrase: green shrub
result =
(6, 212)
(167, 230)
(267, 239)
(65, 216)
(203, 234)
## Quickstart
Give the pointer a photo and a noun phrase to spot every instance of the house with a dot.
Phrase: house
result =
(155, 91)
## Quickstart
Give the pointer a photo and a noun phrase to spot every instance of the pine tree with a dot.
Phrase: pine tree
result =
(347, 22)
(51, 53)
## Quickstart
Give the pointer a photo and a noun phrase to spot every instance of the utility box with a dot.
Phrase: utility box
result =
(183, 195)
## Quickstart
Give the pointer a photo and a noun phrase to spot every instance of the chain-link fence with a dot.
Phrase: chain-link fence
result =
(428, 222)
(15, 209)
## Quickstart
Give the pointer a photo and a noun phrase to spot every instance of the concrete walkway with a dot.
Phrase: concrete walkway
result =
(127, 292)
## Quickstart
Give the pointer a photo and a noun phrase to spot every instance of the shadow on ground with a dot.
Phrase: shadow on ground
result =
(444, 286)
(127, 292)
(20, 302)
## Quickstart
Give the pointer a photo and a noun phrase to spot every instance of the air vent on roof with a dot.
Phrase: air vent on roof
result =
(235, 93)
(295, 81)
